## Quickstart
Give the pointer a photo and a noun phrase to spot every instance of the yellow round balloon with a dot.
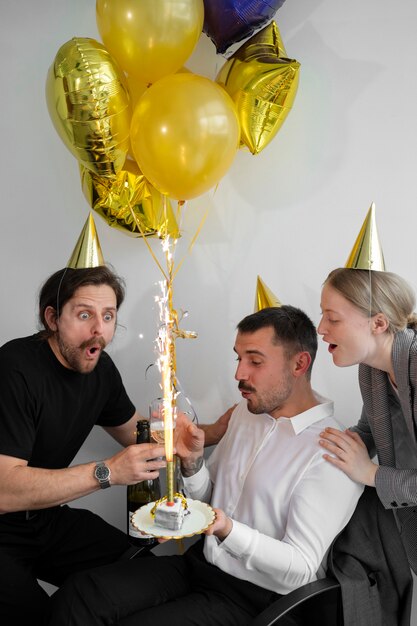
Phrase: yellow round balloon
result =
(150, 38)
(137, 87)
(184, 134)
(88, 102)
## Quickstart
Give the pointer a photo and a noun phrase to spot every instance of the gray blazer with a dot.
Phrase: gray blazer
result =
(396, 486)
(369, 561)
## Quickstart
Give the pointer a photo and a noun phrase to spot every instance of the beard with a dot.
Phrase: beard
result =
(268, 401)
(74, 355)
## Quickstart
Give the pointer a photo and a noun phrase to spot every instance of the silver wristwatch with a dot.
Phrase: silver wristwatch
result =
(102, 474)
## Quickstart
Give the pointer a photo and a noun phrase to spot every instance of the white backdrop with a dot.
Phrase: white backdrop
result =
(289, 214)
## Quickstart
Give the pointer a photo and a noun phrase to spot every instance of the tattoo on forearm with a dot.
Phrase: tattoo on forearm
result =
(192, 467)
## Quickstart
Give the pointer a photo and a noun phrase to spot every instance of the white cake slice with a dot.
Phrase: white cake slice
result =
(171, 516)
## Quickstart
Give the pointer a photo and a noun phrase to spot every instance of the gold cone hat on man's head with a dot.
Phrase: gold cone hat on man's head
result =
(264, 297)
(87, 251)
(367, 252)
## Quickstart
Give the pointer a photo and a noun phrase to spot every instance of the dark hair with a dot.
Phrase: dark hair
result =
(292, 328)
(61, 286)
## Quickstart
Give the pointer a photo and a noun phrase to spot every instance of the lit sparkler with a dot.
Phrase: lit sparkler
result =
(167, 367)
(168, 333)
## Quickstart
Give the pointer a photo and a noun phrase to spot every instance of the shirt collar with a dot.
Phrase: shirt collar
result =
(303, 420)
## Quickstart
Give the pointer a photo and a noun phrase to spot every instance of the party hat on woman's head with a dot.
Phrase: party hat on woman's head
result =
(87, 251)
(367, 252)
(264, 296)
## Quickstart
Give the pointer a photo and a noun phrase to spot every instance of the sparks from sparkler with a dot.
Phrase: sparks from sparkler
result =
(166, 362)
(169, 330)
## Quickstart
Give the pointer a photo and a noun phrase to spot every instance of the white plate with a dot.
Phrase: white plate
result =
(201, 516)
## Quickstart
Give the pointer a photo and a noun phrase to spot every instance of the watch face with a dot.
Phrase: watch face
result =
(102, 472)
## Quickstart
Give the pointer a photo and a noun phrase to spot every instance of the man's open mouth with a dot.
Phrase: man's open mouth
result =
(93, 347)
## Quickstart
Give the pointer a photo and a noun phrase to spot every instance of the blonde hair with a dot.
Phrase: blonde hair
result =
(375, 292)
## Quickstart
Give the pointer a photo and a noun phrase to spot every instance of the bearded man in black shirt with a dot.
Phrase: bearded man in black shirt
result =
(54, 387)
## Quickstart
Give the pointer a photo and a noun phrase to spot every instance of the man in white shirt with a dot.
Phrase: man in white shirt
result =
(278, 503)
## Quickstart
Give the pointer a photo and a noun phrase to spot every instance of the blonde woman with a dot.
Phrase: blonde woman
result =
(368, 319)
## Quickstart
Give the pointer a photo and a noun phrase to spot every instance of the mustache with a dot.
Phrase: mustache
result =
(93, 342)
(243, 387)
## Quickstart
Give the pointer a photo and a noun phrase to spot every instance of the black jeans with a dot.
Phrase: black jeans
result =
(49, 546)
(179, 590)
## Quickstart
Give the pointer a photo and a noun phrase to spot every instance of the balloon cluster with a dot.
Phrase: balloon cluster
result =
(142, 127)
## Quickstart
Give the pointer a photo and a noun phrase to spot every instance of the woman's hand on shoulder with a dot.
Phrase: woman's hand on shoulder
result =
(347, 451)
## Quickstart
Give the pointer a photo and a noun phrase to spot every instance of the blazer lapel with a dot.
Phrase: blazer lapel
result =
(402, 344)
(374, 388)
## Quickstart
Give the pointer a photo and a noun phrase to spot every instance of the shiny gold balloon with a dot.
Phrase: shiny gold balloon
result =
(128, 202)
(263, 85)
(150, 38)
(88, 102)
(184, 134)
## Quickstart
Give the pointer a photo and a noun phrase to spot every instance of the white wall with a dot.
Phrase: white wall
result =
(289, 214)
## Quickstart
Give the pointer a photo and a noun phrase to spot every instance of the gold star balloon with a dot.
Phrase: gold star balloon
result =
(263, 84)
(88, 103)
(128, 202)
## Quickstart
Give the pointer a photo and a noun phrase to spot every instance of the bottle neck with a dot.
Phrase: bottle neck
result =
(143, 434)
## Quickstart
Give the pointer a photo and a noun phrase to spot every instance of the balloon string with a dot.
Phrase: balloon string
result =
(171, 272)
(190, 247)
(181, 390)
(178, 216)
(142, 232)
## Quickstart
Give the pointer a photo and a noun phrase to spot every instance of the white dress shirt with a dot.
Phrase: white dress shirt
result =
(286, 502)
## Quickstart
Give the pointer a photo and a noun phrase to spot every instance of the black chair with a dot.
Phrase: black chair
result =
(315, 604)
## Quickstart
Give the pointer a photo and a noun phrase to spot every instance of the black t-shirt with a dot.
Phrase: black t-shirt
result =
(47, 410)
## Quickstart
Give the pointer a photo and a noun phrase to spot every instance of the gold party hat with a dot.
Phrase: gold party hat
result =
(264, 296)
(367, 252)
(87, 251)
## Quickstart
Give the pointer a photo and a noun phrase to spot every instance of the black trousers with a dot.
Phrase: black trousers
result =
(178, 590)
(49, 546)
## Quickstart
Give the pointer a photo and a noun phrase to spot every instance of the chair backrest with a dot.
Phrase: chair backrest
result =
(315, 604)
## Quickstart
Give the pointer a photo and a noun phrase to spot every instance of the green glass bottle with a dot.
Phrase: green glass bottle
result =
(141, 493)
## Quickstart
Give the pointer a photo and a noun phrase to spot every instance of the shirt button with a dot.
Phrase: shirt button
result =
(394, 503)
(404, 503)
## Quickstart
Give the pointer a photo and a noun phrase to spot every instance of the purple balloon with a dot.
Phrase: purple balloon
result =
(228, 21)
